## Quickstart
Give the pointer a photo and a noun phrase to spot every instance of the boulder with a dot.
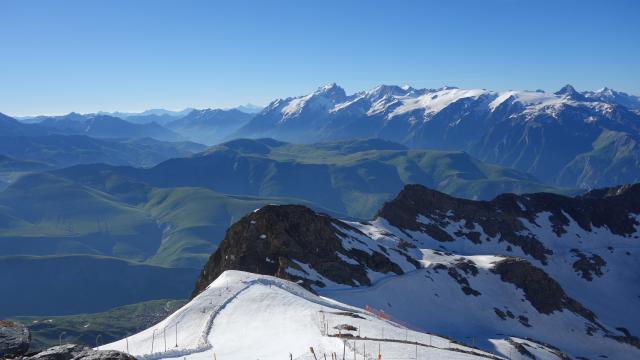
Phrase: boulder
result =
(78, 352)
(14, 339)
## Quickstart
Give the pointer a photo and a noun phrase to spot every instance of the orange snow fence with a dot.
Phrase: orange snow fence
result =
(379, 313)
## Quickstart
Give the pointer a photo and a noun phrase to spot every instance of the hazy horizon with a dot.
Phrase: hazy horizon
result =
(138, 111)
(81, 56)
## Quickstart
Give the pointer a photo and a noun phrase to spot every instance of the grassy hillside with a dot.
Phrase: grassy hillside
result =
(11, 169)
(42, 214)
(354, 177)
(615, 158)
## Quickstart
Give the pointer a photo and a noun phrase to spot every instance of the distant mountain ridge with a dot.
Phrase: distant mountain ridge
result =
(209, 126)
(205, 126)
(68, 150)
(565, 138)
(104, 126)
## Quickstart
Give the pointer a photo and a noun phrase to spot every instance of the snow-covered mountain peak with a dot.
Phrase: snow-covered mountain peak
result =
(435, 101)
(614, 97)
(528, 99)
(323, 99)
(606, 91)
(331, 90)
(381, 91)
(570, 92)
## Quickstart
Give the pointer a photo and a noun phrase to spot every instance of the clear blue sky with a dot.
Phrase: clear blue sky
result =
(90, 55)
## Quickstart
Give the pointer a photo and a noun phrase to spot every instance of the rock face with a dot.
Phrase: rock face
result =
(419, 209)
(284, 240)
(14, 339)
(77, 352)
(544, 293)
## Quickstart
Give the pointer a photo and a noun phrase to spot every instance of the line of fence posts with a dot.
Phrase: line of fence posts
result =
(153, 339)
(335, 357)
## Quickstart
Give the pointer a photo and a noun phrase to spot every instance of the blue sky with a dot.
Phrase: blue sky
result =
(129, 55)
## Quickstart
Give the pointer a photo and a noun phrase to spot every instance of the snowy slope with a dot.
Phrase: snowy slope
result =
(539, 267)
(248, 316)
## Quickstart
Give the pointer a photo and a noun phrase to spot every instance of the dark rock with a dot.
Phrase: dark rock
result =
(463, 282)
(466, 265)
(544, 293)
(277, 238)
(524, 320)
(626, 338)
(521, 349)
(588, 266)
(498, 218)
(501, 217)
(15, 339)
(500, 313)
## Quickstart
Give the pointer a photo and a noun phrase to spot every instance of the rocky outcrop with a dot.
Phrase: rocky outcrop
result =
(543, 292)
(292, 242)
(77, 352)
(420, 209)
(588, 266)
(14, 339)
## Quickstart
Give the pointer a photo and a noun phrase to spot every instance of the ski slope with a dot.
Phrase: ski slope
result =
(247, 316)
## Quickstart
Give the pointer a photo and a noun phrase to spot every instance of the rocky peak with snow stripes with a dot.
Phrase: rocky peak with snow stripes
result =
(295, 243)
(517, 265)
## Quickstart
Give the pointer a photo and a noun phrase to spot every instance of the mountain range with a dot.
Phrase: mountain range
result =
(566, 138)
(205, 126)
(209, 126)
(104, 126)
